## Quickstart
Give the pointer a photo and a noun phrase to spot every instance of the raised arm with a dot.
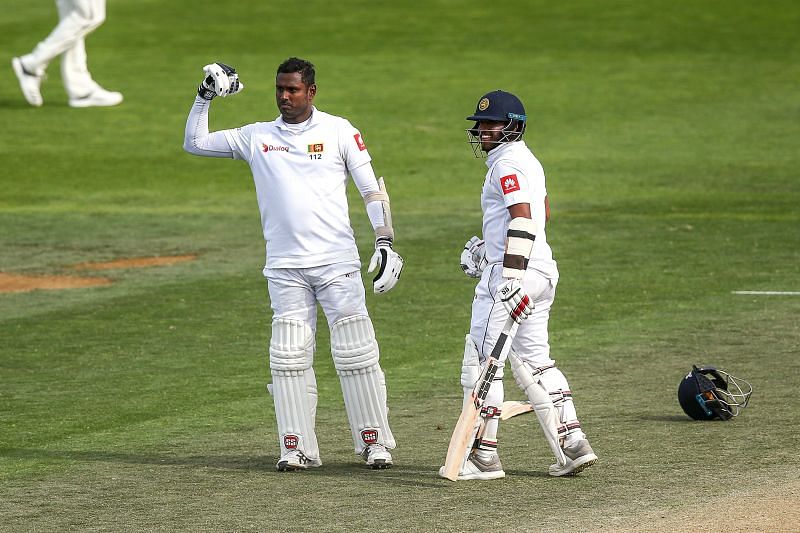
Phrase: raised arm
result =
(220, 80)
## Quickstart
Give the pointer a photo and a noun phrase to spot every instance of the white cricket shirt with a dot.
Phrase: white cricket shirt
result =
(300, 173)
(515, 176)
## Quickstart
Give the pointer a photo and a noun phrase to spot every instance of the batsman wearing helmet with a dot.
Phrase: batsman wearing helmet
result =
(301, 163)
(518, 277)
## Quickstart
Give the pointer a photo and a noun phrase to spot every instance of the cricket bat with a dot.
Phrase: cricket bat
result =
(512, 408)
(469, 421)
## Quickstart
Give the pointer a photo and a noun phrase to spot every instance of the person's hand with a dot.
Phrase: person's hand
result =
(473, 258)
(390, 263)
(515, 299)
(221, 80)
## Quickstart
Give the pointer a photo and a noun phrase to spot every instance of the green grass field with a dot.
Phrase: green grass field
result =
(669, 134)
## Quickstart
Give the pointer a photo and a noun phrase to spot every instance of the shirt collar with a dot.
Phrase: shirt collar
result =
(303, 126)
(496, 153)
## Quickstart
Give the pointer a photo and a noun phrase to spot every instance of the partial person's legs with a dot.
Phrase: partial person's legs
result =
(340, 292)
(532, 346)
(82, 90)
(291, 354)
(77, 18)
(486, 323)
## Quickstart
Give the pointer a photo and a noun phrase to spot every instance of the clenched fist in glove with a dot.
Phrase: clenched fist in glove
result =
(390, 263)
(515, 299)
(221, 80)
(473, 258)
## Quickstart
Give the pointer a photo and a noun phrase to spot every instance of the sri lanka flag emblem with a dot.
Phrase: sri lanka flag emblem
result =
(315, 148)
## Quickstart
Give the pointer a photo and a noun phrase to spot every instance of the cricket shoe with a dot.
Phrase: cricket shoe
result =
(377, 456)
(477, 468)
(29, 82)
(296, 460)
(99, 97)
(579, 456)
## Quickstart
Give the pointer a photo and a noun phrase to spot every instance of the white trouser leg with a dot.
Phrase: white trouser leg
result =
(355, 356)
(77, 18)
(294, 386)
(75, 71)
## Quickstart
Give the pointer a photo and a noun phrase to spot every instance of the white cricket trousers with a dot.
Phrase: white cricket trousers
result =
(294, 292)
(76, 19)
(531, 343)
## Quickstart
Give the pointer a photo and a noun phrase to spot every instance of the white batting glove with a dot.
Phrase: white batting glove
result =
(515, 299)
(473, 258)
(390, 263)
(221, 80)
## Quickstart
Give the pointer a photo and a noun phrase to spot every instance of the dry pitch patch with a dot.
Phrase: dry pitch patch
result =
(773, 508)
(22, 283)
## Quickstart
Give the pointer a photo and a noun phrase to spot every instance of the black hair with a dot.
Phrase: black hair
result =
(295, 64)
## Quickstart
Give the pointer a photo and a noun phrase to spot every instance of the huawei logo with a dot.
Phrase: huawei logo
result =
(509, 183)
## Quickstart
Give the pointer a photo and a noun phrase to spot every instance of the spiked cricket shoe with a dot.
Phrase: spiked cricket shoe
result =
(29, 82)
(99, 97)
(296, 460)
(579, 456)
(477, 468)
(377, 456)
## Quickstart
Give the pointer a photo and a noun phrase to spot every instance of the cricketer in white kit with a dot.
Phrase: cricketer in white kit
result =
(518, 276)
(76, 20)
(301, 163)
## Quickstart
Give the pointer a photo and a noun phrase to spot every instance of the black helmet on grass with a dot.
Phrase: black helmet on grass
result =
(707, 393)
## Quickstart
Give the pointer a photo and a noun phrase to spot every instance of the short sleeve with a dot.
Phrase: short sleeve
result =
(513, 185)
(352, 146)
(240, 140)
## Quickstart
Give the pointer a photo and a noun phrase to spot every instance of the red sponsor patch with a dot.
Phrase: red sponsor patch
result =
(290, 442)
(509, 183)
(360, 142)
(369, 436)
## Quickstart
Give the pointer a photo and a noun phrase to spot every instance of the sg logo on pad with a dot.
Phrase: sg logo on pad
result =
(369, 436)
(290, 442)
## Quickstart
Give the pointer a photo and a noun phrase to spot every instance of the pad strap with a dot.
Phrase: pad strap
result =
(519, 244)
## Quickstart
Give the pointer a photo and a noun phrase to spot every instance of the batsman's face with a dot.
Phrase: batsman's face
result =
(294, 98)
(490, 133)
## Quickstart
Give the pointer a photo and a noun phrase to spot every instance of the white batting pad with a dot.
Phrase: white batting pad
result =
(355, 356)
(546, 412)
(555, 383)
(470, 366)
(471, 370)
(294, 386)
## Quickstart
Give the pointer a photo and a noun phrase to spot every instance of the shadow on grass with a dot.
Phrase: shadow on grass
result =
(678, 419)
(417, 475)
